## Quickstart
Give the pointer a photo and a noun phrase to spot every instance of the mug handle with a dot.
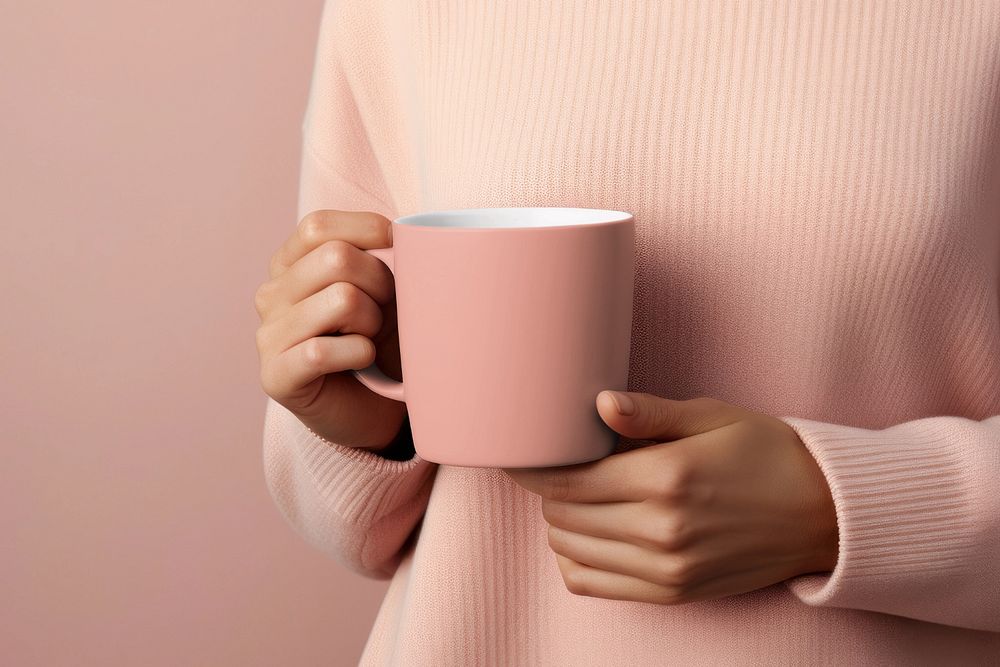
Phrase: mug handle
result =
(372, 377)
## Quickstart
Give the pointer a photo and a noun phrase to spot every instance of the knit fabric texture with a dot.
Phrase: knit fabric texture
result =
(815, 191)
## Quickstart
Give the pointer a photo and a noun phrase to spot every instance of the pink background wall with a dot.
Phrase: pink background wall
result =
(148, 168)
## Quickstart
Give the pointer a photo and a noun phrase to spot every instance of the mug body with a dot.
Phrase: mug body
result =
(511, 321)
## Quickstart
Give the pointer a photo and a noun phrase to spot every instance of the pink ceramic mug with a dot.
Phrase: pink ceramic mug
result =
(511, 321)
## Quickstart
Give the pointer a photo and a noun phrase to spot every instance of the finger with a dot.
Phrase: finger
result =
(333, 261)
(594, 582)
(611, 479)
(664, 568)
(285, 375)
(633, 475)
(340, 307)
(583, 579)
(641, 415)
(647, 525)
(364, 229)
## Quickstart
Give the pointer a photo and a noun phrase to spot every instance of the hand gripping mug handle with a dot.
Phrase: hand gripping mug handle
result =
(372, 377)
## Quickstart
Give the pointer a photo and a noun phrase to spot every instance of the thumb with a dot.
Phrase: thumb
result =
(644, 416)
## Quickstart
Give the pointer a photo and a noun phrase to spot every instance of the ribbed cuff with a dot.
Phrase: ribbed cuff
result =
(356, 484)
(902, 499)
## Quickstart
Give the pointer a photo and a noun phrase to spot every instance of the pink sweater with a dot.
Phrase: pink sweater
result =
(818, 238)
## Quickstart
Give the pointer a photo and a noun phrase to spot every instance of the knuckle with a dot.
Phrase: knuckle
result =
(575, 580)
(369, 353)
(670, 483)
(552, 537)
(262, 297)
(312, 228)
(379, 227)
(675, 572)
(551, 511)
(685, 570)
(659, 411)
(661, 415)
(386, 231)
(335, 255)
(668, 532)
(313, 353)
(343, 296)
(663, 573)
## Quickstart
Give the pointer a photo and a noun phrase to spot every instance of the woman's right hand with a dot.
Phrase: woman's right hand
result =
(322, 282)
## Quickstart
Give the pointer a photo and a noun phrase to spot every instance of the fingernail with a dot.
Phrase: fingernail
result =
(390, 234)
(624, 403)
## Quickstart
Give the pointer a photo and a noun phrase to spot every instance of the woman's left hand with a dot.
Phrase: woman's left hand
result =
(732, 502)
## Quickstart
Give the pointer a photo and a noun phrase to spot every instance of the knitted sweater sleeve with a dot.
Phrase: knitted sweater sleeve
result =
(358, 507)
(918, 507)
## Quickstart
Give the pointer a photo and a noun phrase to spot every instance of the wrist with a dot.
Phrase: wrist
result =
(824, 536)
(827, 550)
(821, 530)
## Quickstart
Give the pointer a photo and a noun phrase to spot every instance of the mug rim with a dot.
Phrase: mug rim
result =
(599, 217)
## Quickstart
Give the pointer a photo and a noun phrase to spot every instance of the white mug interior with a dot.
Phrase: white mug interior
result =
(514, 217)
